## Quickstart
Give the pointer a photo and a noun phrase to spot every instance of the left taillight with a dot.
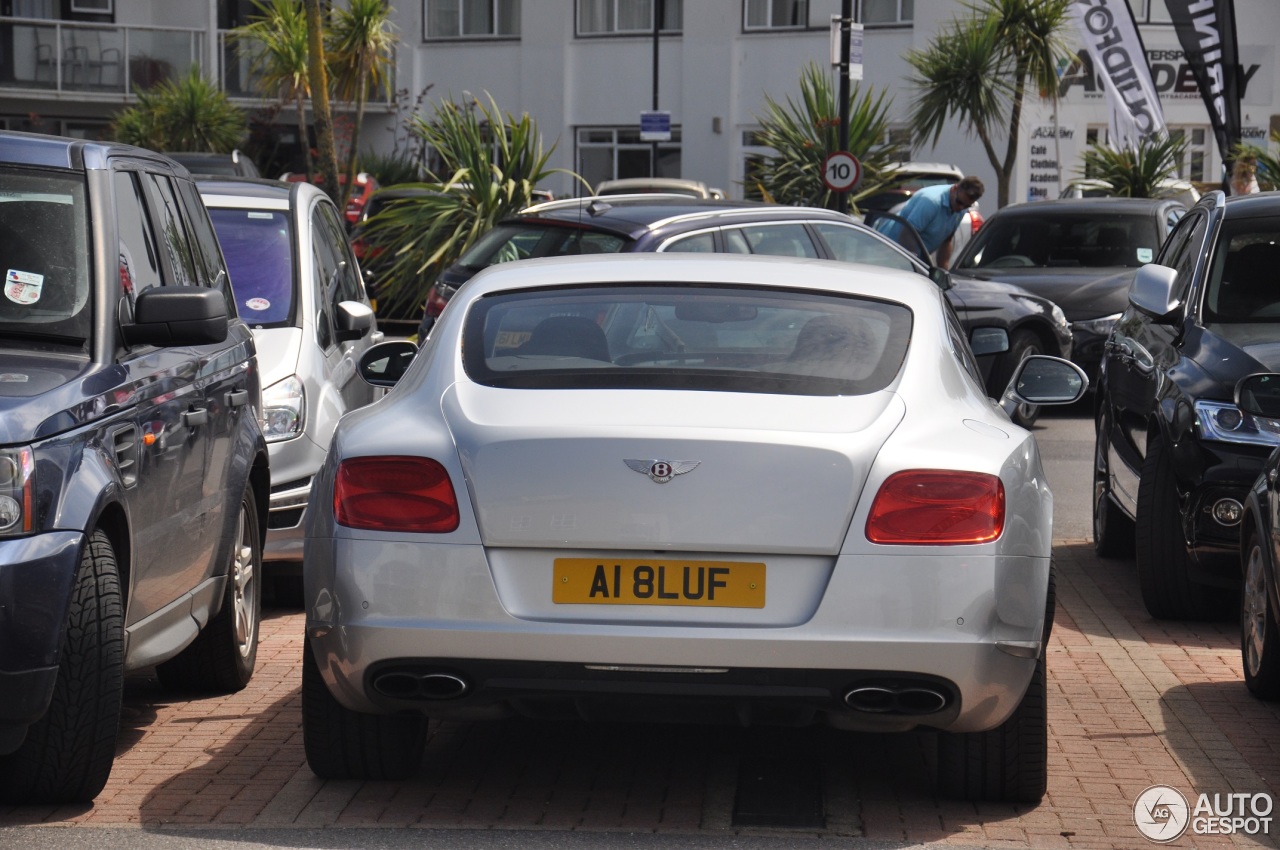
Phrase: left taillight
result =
(395, 493)
(17, 491)
(937, 507)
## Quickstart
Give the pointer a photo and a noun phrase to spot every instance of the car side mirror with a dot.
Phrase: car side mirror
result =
(384, 364)
(352, 320)
(1259, 395)
(1040, 379)
(988, 341)
(1152, 292)
(177, 315)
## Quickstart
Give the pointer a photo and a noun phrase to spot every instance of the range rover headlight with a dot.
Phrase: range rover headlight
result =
(284, 410)
(1226, 423)
(1100, 326)
(17, 490)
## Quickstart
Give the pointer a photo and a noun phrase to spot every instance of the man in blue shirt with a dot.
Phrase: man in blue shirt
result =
(934, 212)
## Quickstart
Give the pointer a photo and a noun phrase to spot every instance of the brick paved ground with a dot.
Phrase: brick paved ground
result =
(1133, 702)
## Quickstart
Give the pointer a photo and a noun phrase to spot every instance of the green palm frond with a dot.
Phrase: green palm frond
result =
(804, 131)
(1138, 171)
(1268, 162)
(491, 163)
(187, 114)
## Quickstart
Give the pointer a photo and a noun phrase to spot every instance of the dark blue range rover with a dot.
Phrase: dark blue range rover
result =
(133, 472)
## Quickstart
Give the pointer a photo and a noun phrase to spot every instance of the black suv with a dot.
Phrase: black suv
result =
(133, 473)
(639, 223)
(1176, 454)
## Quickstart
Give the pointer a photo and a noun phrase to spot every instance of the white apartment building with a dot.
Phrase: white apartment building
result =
(584, 70)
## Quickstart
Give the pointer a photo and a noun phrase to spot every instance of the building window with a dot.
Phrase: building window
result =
(1150, 11)
(886, 11)
(1195, 155)
(755, 155)
(1095, 136)
(776, 14)
(470, 18)
(612, 153)
(628, 17)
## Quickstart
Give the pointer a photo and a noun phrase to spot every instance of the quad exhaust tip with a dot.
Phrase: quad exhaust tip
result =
(432, 686)
(896, 699)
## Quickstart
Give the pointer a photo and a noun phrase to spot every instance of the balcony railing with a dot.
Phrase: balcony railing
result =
(87, 58)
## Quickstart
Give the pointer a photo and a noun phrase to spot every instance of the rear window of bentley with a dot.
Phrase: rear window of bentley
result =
(696, 337)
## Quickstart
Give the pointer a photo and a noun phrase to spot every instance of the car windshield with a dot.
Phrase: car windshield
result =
(1090, 238)
(694, 337)
(1242, 279)
(258, 245)
(525, 240)
(44, 235)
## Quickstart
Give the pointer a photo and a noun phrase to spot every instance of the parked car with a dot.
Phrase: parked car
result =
(366, 186)
(1080, 254)
(205, 164)
(133, 474)
(1181, 190)
(1176, 454)
(639, 224)
(686, 487)
(1257, 397)
(299, 287)
(658, 185)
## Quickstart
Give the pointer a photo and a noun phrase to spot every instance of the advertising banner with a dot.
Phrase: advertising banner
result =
(1207, 32)
(1115, 48)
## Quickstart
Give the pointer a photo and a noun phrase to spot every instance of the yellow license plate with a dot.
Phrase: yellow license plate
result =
(716, 584)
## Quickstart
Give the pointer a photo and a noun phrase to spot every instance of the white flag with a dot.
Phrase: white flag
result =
(1114, 46)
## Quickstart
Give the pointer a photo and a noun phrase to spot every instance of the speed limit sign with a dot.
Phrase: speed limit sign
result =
(841, 172)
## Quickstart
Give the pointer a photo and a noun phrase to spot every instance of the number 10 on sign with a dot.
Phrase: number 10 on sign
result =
(842, 172)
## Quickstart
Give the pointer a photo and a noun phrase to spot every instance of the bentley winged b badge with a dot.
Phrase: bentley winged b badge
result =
(662, 471)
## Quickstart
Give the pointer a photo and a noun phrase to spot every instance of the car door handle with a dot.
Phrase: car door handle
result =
(1121, 350)
(195, 417)
(237, 398)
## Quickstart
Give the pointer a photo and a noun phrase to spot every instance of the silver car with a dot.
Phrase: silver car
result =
(686, 487)
(299, 288)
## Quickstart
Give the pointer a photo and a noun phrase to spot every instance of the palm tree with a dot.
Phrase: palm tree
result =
(490, 165)
(1268, 162)
(188, 114)
(979, 71)
(319, 76)
(278, 41)
(361, 50)
(1139, 171)
(803, 133)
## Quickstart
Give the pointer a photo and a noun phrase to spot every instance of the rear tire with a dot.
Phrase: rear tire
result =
(1008, 764)
(1164, 565)
(67, 755)
(1259, 632)
(345, 744)
(223, 655)
(1113, 530)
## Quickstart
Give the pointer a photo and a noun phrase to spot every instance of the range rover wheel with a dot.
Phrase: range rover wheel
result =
(345, 744)
(66, 757)
(1164, 566)
(1259, 632)
(1112, 529)
(223, 655)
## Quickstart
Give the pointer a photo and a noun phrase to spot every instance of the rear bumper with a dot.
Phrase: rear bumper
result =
(37, 575)
(968, 624)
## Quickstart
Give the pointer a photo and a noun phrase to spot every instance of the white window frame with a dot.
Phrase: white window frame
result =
(615, 145)
(904, 13)
(671, 9)
(498, 19)
(752, 150)
(1195, 151)
(1150, 12)
(767, 7)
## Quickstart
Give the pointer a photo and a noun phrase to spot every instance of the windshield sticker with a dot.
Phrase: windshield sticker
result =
(23, 287)
(12, 378)
(258, 304)
(1145, 255)
(265, 215)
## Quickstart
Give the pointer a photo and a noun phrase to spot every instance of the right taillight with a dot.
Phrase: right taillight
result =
(435, 302)
(395, 493)
(937, 507)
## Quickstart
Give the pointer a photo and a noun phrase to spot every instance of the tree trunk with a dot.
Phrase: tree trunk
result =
(352, 154)
(328, 149)
(304, 139)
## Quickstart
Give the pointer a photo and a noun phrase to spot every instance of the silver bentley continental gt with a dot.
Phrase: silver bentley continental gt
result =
(758, 489)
